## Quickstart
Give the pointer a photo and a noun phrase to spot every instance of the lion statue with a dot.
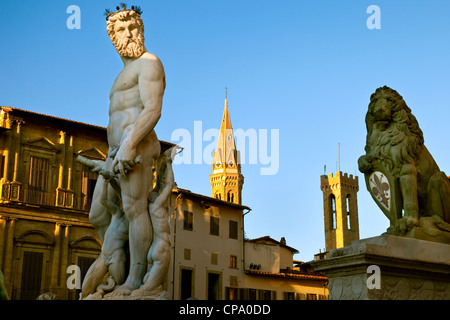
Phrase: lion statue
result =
(395, 147)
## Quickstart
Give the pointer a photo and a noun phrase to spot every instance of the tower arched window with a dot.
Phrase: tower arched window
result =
(230, 196)
(347, 209)
(333, 211)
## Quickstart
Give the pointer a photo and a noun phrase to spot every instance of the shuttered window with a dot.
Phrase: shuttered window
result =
(188, 220)
(39, 173)
(233, 229)
(214, 226)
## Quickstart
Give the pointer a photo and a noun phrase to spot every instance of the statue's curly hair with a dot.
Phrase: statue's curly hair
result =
(123, 15)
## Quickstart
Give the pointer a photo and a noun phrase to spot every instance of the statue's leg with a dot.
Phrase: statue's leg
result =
(408, 188)
(160, 258)
(439, 196)
(99, 216)
(117, 266)
(136, 186)
(93, 277)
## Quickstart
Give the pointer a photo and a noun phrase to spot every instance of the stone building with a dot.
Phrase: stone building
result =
(212, 260)
(44, 201)
(45, 198)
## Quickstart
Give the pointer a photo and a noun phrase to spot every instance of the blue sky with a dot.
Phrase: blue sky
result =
(306, 68)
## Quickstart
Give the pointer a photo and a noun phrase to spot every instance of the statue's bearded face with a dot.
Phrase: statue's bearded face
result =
(127, 35)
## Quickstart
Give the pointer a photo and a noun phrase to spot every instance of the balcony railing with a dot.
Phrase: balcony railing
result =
(39, 197)
(14, 191)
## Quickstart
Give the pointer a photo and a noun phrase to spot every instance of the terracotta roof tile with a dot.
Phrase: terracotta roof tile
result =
(209, 199)
(288, 275)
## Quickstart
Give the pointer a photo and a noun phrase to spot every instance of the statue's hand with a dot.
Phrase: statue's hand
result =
(98, 166)
(125, 159)
(170, 154)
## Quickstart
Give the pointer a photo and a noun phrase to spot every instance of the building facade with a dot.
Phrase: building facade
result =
(212, 260)
(207, 237)
(44, 201)
(272, 273)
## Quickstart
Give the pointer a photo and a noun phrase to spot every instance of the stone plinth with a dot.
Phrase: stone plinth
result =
(407, 269)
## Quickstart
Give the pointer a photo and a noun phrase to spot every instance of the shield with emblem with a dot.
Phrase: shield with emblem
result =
(385, 190)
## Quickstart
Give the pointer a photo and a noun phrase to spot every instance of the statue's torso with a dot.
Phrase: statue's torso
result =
(125, 104)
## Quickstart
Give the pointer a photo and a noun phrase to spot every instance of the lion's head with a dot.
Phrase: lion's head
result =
(393, 134)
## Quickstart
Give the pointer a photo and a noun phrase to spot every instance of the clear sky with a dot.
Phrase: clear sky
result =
(304, 68)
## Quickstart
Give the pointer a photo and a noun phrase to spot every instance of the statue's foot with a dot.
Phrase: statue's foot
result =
(123, 290)
(142, 291)
(405, 224)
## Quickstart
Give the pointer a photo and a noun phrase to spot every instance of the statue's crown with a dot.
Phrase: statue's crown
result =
(108, 13)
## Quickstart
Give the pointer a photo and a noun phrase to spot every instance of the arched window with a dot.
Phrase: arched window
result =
(218, 196)
(333, 211)
(347, 207)
(230, 196)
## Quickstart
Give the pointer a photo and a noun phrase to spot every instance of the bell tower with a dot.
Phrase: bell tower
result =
(340, 208)
(226, 178)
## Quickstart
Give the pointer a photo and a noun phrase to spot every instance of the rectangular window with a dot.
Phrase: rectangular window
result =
(31, 275)
(231, 293)
(2, 166)
(88, 186)
(214, 258)
(39, 173)
(214, 226)
(289, 296)
(233, 262)
(187, 254)
(266, 295)
(234, 281)
(188, 221)
(252, 294)
(233, 229)
(311, 296)
(38, 182)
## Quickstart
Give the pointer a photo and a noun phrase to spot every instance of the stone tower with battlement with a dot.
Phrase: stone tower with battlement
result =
(226, 178)
(340, 208)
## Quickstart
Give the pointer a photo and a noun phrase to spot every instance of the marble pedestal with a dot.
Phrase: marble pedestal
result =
(388, 267)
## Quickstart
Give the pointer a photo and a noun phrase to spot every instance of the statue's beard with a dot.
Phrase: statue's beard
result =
(133, 48)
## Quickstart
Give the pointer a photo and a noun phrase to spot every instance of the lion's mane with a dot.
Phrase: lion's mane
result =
(397, 142)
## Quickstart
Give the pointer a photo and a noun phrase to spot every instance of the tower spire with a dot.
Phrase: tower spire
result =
(226, 179)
